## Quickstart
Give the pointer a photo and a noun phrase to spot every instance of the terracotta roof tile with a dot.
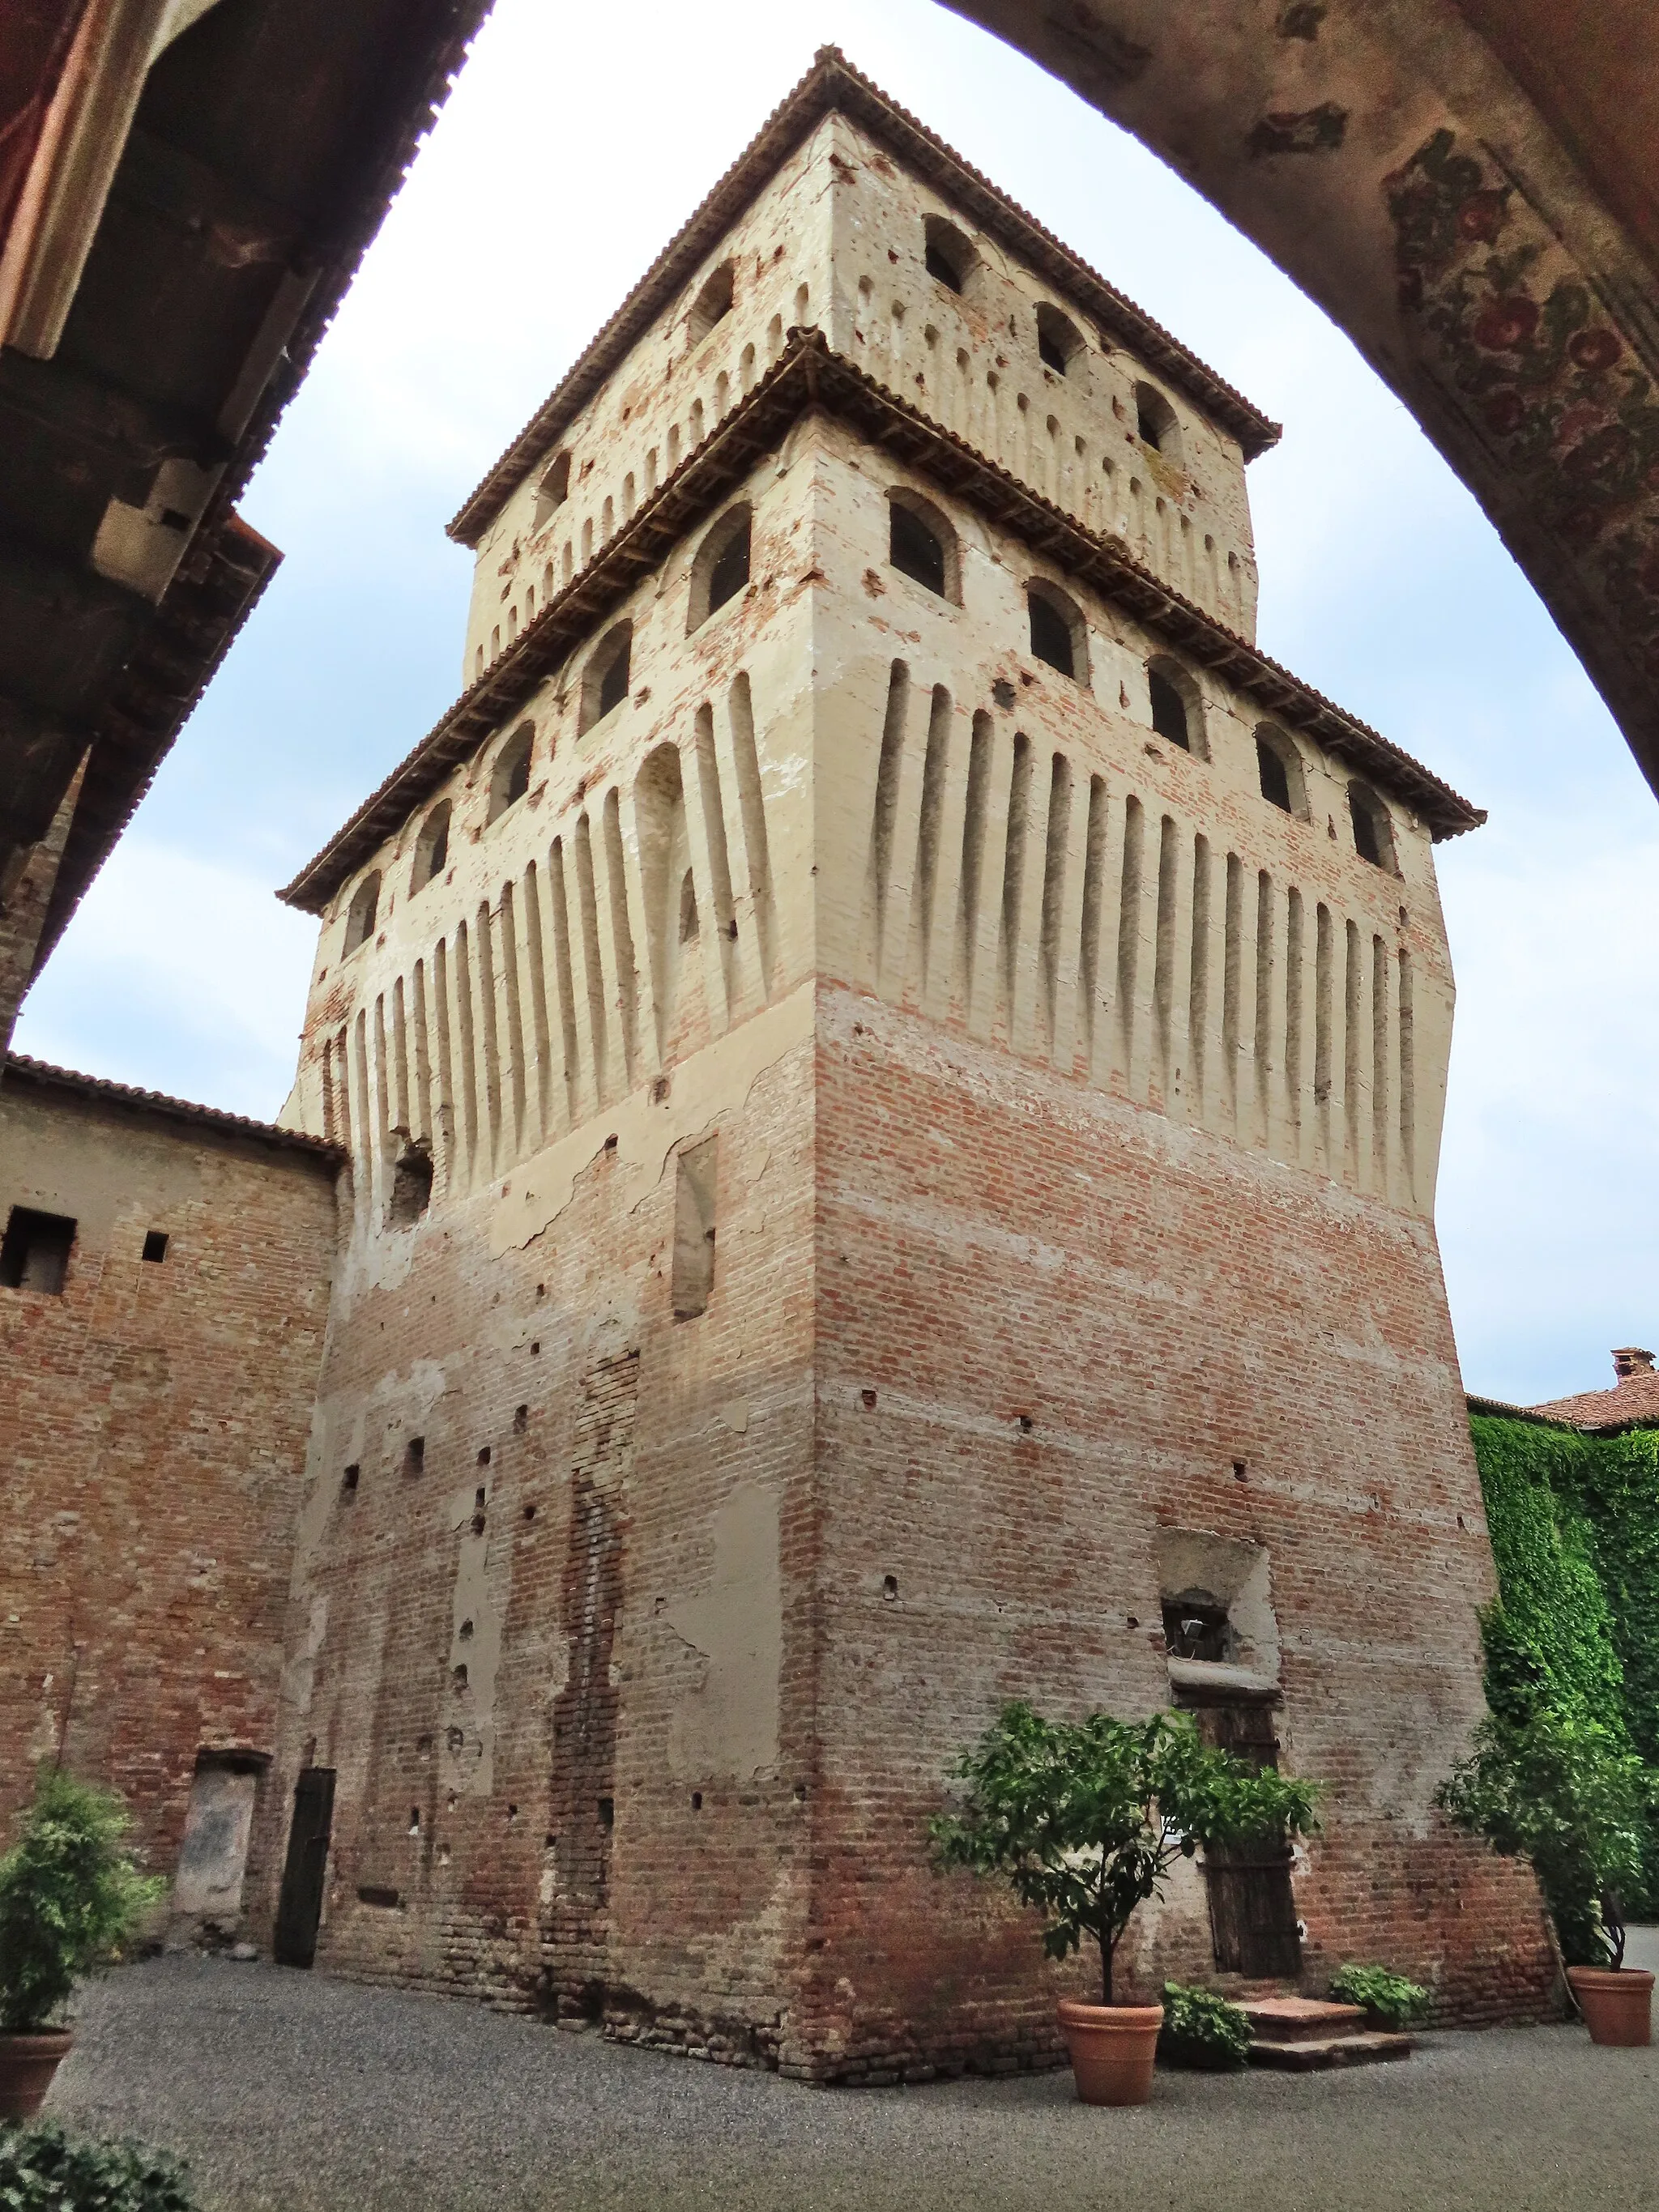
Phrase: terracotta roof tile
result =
(1633, 1402)
(98, 1087)
(807, 375)
(832, 85)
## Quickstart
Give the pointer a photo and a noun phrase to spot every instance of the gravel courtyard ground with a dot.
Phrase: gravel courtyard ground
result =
(289, 2093)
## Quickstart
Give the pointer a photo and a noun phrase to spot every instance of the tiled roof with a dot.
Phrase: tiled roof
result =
(1630, 1403)
(833, 85)
(22, 1066)
(227, 563)
(807, 374)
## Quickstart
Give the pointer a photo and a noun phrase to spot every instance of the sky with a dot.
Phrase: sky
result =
(575, 144)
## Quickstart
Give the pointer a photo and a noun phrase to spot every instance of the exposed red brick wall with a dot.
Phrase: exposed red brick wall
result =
(153, 1427)
(996, 1243)
(617, 1437)
(920, 1241)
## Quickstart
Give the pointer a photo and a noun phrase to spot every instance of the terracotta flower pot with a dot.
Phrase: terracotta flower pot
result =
(1113, 2048)
(1617, 2006)
(27, 2063)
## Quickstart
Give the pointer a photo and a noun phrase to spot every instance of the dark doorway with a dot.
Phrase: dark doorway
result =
(301, 1908)
(1252, 1909)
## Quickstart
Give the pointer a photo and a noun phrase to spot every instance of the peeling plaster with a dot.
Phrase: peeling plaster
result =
(730, 1725)
(718, 1077)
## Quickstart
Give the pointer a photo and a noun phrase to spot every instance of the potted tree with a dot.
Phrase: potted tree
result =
(70, 1896)
(1084, 1821)
(1546, 1783)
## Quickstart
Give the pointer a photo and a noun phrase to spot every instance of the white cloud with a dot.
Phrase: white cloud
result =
(181, 975)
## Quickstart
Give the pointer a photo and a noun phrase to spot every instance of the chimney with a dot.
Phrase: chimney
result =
(1631, 1361)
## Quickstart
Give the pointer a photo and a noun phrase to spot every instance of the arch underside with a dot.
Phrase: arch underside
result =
(1472, 192)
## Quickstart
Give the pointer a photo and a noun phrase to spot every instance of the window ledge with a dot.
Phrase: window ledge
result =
(1218, 1683)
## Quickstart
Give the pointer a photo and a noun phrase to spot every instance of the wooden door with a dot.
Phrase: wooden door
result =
(301, 1908)
(1252, 1909)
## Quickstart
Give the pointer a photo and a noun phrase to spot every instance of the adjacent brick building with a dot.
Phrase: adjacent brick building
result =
(164, 1283)
(893, 1067)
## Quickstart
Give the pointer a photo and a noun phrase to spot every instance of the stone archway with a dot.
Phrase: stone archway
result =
(1471, 191)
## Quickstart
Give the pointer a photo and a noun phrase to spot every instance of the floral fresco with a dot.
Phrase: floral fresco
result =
(1553, 384)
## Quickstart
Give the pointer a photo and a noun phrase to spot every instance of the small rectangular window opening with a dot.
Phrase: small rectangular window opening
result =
(34, 1252)
(155, 1245)
(693, 1273)
(1195, 1628)
(414, 1455)
(348, 1479)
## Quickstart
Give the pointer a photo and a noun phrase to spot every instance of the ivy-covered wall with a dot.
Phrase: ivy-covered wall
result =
(1574, 1532)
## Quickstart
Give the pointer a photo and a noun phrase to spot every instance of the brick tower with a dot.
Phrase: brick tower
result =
(893, 1064)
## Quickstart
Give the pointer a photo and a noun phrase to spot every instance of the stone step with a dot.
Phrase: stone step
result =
(1316, 2053)
(1300, 2020)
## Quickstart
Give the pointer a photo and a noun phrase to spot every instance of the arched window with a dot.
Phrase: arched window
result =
(1174, 704)
(921, 544)
(431, 848)
(1373, 832)
(509, 778)
(946, 253)
(360, 915)
(552, 491)
(711, 304)
(721, 570)
(1155, 423)
(1057, 338)
(1059, 633)
(605, 679)
(1278, 770)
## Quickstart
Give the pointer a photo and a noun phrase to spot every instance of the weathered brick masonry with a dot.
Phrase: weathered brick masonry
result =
(1051, 1327)
(153, 1422)
(892, 1068)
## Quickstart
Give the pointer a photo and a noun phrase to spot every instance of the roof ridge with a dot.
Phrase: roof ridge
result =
(808, 99)
(160, 1102)
(808, 358)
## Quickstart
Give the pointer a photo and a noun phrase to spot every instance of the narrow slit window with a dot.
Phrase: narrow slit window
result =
(693, 1275)
(721, 570)
(509, 779)
(1169, 711)
(156, 1246)
(946, 254)
(1373, 838)
(431, 848)
(1155, 423)
(731, 571)
(605, 682)
(711, 306)
(1058, 339)
(919, 547)
(362, 912)
(552, 491)
(1055, 633)
(1275, 781)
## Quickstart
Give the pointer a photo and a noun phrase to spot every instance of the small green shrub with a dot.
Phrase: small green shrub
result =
(1201, 2029)
(1390, 1999)
(41, 2170)
(1084, 1820)
(70, 1896)
(1546, 1783)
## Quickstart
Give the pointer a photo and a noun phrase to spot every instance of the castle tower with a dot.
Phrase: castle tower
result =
(893, 1065)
